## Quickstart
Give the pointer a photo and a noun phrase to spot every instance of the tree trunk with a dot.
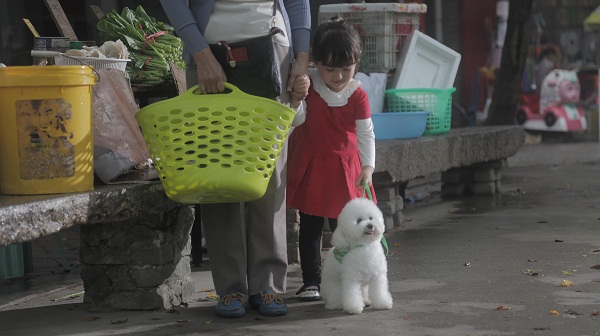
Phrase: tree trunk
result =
(507, 85)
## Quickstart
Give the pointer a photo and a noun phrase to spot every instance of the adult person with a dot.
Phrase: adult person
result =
(246, 242)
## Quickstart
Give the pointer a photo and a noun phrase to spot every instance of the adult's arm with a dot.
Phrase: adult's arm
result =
(298, 12)
(184, 22)
(189, 23)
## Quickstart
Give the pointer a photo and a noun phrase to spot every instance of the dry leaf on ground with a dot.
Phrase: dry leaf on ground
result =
(530, 272)
(566, 283)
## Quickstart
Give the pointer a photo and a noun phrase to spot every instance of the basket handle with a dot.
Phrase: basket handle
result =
(230, 89)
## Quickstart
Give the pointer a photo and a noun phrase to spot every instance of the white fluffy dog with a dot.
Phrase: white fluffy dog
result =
(355, 269)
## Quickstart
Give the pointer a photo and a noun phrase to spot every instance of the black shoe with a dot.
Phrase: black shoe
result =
(309, 293)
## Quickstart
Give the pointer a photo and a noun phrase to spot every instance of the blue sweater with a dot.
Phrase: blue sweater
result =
(189, 23)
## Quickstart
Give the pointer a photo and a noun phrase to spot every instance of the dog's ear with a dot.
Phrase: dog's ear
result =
(338, 239)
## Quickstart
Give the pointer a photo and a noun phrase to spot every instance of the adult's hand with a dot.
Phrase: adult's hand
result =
(299, 69)
(211, 78)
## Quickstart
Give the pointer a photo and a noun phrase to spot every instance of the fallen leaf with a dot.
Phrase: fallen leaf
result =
(118, 321)
(204, 290)
(596, 266)
(596, 251)
(596, 312)
(566, 273)
(558, 241)
(502, 308)
(211, 297)
(207, 322)
(566, 283)
(554, 312)
(396, 244)
(531, 260)
(530, 272)
(91, 318)
(68, 297)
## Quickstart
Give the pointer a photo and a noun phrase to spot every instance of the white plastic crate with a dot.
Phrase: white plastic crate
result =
(383, 27)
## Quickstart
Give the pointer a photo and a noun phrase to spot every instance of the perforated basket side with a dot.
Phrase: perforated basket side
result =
(437, 101)
(215, 154)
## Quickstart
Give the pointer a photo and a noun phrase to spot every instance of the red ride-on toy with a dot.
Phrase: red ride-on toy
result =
(554, 109)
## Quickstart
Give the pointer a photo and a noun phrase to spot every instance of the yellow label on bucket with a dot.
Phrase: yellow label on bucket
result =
(43, 132)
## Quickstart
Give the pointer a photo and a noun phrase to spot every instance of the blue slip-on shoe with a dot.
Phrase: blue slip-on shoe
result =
(268, 303)
(231, 305)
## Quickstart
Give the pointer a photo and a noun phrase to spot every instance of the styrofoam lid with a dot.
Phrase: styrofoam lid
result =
(374, 7)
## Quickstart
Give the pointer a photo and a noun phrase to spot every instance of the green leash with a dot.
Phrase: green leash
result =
(383, 241)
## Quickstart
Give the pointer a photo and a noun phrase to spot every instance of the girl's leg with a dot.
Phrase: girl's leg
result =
(332, 224)
(309, 243)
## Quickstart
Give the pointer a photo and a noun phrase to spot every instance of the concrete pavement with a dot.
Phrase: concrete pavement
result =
(473, 266)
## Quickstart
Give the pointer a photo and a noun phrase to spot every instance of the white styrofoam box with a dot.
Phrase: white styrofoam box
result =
(383, 28)
(425, 63)
(374, 84)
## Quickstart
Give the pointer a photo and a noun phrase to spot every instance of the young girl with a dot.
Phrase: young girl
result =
(332, 153)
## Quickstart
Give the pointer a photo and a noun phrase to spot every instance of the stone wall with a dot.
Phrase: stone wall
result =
(141, 263)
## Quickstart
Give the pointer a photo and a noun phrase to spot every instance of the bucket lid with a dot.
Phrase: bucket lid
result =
(53, 75)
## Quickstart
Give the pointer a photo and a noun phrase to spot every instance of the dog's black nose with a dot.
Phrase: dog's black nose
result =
(370, 226)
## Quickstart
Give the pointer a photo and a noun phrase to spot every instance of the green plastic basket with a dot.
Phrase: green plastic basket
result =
(437, 101)
(215, 148)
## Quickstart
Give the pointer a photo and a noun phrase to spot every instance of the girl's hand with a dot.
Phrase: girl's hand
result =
(299, 90)
(366, 175)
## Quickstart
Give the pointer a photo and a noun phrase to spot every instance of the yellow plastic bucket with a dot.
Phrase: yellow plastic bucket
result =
(46, 134)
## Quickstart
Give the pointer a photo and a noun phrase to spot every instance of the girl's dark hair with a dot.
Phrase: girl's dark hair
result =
(336, 43)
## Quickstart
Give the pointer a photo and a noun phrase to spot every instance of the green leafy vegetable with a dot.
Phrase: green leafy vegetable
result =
(151, 44)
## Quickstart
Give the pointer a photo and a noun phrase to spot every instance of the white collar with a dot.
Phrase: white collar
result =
(330, 97)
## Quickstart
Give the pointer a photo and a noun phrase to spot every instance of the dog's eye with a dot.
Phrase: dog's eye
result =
(370, 218)
(358, 220)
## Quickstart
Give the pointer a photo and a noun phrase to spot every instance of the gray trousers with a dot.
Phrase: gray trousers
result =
(246, 242)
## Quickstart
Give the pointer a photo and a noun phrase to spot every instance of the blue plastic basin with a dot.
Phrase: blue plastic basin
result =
(399, 125)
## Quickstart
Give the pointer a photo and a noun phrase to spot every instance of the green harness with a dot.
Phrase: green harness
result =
(340, 254)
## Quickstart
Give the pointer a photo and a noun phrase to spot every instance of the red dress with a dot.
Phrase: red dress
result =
(323, 159)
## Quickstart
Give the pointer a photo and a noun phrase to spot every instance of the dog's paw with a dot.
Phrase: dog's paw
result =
(354, 309)
(384, 303)
(383, 306)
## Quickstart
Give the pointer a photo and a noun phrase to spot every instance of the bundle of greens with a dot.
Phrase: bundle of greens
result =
(151, 44)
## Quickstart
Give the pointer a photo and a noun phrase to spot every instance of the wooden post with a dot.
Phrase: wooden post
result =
(59, 17)
(97, 11)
